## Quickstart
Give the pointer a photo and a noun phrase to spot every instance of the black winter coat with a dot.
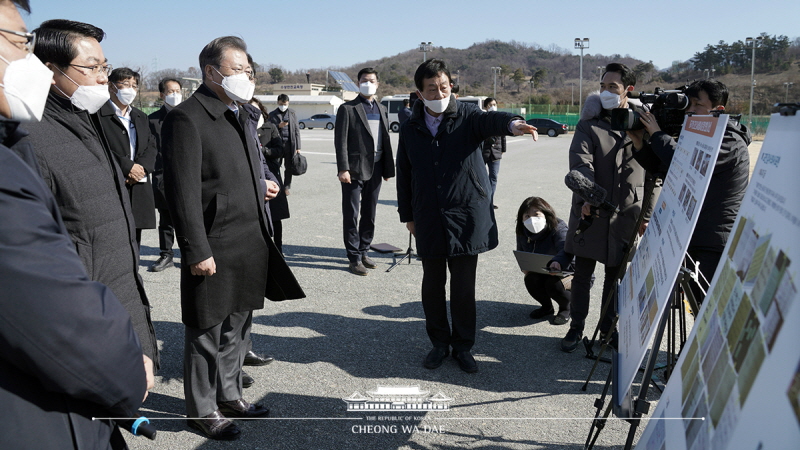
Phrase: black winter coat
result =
(442, 184)
(90, 191)
(68, 351)
(273, 151)
(213, 180)
(493, 148)
(726, 189)
(156, 119)
(141, 194)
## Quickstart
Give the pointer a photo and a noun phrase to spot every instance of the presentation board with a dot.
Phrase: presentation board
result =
(737, 381)
(644, 291)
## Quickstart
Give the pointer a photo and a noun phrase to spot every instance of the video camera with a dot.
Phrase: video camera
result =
(667, 106)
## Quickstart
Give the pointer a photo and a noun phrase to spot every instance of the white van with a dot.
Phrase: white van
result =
(394, 103)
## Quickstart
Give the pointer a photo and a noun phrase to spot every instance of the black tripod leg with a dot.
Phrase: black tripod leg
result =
(597, 422)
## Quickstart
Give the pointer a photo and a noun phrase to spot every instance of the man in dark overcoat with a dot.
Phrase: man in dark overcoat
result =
(285, 119)
(444, 198)
(78, 168)
(215, 189)
(127, 130)
(169, 89)
(364, 159)
(54, 380)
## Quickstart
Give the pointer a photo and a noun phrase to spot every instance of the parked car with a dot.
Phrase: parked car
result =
(326, 121)
(548, 126)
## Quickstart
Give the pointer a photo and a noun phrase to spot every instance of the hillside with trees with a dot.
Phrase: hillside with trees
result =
(534, 74)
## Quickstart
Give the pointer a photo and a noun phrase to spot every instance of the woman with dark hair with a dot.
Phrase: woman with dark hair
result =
(540, 231)
(493, 149)
(272, 148)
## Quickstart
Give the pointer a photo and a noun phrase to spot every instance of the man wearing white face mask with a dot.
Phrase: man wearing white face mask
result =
(169, 89)
(84, 177)
(443, 196)
(130, 141)
(604, 156)
(54, 317)
(364, 158)
(214, 186)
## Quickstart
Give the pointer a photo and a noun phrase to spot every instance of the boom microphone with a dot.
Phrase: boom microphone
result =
(591, 192)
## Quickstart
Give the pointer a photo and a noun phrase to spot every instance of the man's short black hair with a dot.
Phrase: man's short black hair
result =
(162, 85)
(283, 98)
(627, 75)
(123, 73)
(367, 71)
(486, 102)
(23, 5)
(431, 69)
(55, 40)
(212, 53)
(406, 102)
(716, 90)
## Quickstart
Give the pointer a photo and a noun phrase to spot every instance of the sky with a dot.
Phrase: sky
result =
(314, 34)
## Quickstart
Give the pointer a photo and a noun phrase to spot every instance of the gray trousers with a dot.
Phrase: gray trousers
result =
(212, 363)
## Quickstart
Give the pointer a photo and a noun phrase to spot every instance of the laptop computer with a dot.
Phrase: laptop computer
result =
(536, 262)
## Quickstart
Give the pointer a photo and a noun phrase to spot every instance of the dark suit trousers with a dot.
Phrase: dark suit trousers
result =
(358, 235)
(462, 301)
(212, 363)
(166, 232)
(581, 284)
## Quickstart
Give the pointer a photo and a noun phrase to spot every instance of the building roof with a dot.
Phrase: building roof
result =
(397, 390)
(304, 99)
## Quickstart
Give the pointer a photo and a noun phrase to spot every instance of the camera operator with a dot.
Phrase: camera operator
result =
(728, 182)
(604, 156)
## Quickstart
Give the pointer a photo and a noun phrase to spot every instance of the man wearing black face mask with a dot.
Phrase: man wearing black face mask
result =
(54, 379)
(81, 172)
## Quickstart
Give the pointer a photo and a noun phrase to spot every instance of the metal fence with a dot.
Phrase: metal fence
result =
(568, 114)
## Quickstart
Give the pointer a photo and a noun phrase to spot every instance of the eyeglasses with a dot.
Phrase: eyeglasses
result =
(30, 39)
(250, 74)
(106, 68)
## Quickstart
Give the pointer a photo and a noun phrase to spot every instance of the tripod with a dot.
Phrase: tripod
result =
(638, 407)
(407, 255)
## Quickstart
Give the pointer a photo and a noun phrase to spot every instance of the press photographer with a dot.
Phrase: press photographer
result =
(728, 182)
(604, 156)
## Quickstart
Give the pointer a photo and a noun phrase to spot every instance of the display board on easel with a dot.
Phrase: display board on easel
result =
(738, 380)
(645, 290)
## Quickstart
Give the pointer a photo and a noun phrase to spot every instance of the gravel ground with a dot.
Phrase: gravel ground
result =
(352, 334)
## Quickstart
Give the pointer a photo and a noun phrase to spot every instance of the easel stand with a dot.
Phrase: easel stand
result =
(406, 256)
(640, 406)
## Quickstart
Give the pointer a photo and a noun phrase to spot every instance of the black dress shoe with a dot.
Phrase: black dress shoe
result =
(465, 361)
(254, 359)
(247, 380)
(368, 262)
(216, 426)
(162, 263)
(242, 409)
(436, 357)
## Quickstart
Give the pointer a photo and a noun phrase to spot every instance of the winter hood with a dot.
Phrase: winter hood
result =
(592, 107)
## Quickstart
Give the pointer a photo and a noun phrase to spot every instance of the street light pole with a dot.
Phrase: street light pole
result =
(600, 73)
(753, 43)
(788, 85)
(425, 47)
(495, 70)
(581, 44)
